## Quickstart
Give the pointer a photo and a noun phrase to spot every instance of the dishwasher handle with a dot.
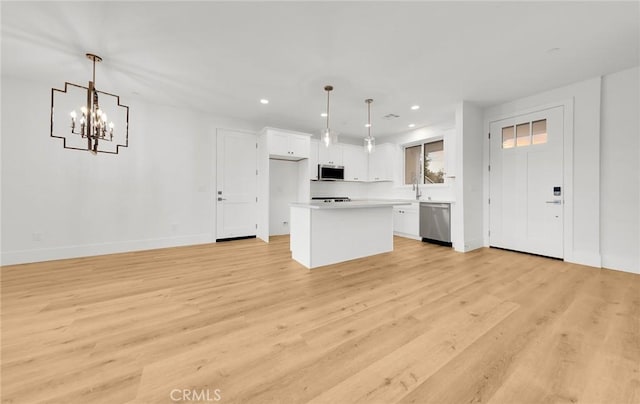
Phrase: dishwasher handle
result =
(435, 205)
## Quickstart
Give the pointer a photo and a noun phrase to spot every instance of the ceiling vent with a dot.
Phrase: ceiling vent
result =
(390, 116)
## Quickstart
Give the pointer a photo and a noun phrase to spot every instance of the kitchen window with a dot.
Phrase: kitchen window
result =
(425, 162)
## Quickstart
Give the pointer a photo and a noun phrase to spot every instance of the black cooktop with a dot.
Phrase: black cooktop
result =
(331, 198)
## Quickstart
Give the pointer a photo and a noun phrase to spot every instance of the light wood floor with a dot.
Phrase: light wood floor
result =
(422, 324)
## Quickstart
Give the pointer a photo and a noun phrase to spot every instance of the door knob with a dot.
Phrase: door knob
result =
(557, 202)
(222, 199)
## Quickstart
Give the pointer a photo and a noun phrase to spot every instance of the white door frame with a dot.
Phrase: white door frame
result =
(214, 175)
(567, 174)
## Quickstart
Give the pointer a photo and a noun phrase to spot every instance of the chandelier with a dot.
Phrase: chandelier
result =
(328, 136)
(369, 142)
(89, 127)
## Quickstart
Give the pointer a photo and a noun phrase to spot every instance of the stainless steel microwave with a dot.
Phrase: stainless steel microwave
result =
(328, 172)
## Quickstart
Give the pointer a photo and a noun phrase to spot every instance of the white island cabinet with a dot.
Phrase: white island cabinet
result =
(328, 233)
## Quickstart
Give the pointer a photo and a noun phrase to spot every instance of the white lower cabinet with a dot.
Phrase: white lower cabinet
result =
(406, 221)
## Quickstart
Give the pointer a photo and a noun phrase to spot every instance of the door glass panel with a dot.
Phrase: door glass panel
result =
(508, 140)
(523, 135)
(539, 131)
(412, 164)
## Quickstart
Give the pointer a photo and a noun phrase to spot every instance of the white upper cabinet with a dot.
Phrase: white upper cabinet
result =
(288, 146)
(300, 145)
(381, 162)
(313, 160)
(330, 155)
(355, 160)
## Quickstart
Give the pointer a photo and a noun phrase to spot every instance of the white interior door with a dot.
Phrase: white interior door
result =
(236, 184)
(526, 183)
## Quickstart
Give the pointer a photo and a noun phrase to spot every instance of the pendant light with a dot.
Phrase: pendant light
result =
(369, 142)
(327, 136)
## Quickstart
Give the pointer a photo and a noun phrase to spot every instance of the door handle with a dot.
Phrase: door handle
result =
(222, 199)
(557, 202)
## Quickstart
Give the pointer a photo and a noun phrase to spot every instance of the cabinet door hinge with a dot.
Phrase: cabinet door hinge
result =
(256, 145)
(489, 201)
(489, 135)
(256, 199)
(256, 225)
(256, 172)
(489, 167)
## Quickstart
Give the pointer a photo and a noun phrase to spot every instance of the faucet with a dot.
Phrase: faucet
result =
(416, 187)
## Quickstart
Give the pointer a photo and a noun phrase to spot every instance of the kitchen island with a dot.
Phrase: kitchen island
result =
(328, 233)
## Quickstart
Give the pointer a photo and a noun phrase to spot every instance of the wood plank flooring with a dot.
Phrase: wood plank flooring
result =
(242, 322)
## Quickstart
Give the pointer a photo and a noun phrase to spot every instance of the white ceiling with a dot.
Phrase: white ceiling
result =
(221, 58)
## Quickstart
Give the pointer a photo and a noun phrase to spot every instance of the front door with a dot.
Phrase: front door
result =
(236, 184)
(526, 186)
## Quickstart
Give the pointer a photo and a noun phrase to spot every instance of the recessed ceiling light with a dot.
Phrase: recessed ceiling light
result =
(264, 101)
(324, 114)
(414, 107)
(412, 125)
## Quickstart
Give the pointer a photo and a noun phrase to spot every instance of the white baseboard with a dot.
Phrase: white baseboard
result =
(87, 250)
(624, 264)
(469, 245)
(405, 235)
(587, 258)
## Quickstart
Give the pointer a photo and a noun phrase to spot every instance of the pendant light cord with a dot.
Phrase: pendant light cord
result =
(369, 119)
(328, 89)
(368, 101)
(327, 108)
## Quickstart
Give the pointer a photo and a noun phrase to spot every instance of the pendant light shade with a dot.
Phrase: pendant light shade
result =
(369, 141)
(328, 136)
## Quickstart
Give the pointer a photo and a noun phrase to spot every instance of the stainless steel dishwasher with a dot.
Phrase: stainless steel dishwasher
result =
(435, 222)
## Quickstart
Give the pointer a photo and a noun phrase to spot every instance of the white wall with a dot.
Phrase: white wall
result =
(619, 171)
(467, 212)
(353, 190)
(283, 189)
(59, 203)
(581, 102)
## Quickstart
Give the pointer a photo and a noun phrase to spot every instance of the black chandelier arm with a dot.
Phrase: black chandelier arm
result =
(85, 129)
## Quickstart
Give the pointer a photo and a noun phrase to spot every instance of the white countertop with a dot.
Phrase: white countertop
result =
(422, 201)
(356, 204)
